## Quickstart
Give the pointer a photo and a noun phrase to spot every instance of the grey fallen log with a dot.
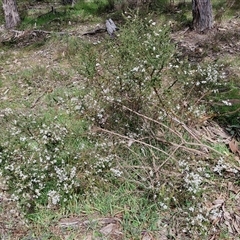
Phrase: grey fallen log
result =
(111, 27)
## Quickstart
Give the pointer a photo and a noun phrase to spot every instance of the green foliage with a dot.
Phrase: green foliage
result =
(221, 93)
(126, 72)
(82, 11)
(48, 20)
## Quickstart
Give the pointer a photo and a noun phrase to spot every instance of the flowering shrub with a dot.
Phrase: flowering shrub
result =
(127, 70)
(37, 167)
(44, 163)
(204, 77)
(133, 84)
(139, 69)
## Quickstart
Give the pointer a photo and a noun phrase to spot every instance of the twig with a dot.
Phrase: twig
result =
(187, 149)
(167, 159)
(133, 140)
(98, 30)
(186, 128)
(182, 33)
(137, 167)
(155, 166)
(37, 31)
(77, 222)
(153, 120)
(228, 113)
(199, 144)
(36, 101)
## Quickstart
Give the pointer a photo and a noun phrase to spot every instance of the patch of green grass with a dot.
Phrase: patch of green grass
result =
(61, 16)
(136, 213)
(49, 20)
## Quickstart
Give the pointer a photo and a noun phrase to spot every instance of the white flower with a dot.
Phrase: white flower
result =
(116, 172)
(191, 209)
(226, 102)
(135, 69)
(53, 197)
(163, 205)
(73, 172)
(193, 181)
(23, 139)
(220, 166)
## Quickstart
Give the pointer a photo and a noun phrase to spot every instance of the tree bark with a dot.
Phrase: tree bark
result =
(12, 18)
(202, 15)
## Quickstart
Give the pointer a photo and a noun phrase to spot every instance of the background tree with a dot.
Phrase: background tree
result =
(11, 14)
(202, 15)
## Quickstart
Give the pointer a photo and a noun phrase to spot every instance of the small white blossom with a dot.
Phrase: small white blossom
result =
(116, 172)
(53, 197)
(227, 102)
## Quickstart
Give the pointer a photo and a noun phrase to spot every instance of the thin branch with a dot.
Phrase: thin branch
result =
(199, 144)
(98, 30)
(167, 159)
(153, 120)
(36, 101)
(133, 140)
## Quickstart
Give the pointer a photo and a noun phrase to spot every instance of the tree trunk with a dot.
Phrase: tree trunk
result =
(202, 15)
(12, 18)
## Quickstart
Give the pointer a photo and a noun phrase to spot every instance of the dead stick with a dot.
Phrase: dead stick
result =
(153, 120)
(133, 140)
(36, 101)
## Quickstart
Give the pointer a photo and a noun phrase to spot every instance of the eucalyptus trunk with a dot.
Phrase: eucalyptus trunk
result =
(202, 15)
(12, 18)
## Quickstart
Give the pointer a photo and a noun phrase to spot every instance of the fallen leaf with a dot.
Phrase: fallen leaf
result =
(232, 188)
(219, 202)
(233, 145)
(227, 216)
(108, 229)
(237, 219)
(69, 222)
(236, 226)
(130, 142)
(213, 237)
(147, 236)
(216, 221)
(237, 158)
(230, 230)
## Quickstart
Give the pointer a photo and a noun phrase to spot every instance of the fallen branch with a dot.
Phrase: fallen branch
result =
(20, 33)
(111, 28)
(36, 101)
(153, 120)
(98, 30)
(65, 223)
(184, 126)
